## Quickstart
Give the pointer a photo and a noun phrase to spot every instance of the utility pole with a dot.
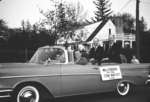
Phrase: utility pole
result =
(137, 30)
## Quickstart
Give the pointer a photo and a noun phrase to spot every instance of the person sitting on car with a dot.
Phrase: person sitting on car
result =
(82, 61)
(134, 60)
(81, 57)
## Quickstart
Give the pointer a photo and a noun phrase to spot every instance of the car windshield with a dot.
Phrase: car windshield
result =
(48, 55)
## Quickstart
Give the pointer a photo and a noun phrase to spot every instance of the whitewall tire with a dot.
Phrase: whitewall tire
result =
(28, 94)
(124, 88)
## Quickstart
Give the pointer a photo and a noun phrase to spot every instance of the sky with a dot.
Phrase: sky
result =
(14, 11)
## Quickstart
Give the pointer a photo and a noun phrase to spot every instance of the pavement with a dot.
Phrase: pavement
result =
(141, 94)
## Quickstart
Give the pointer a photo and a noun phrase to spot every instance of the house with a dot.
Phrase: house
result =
(103, 32)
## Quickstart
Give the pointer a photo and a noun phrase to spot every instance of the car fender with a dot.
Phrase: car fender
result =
(128, 81)
(35, 83)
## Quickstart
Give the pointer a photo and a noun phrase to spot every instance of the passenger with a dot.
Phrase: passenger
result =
(123, 58)
(81, 57)
(82, 61)
(60, 57)
(92, 61)
(99, 54)
(134, 60)
(92, 53)
(77, 55)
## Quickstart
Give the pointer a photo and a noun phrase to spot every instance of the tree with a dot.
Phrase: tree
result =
(62, 20)
(23, 25)
(126, 21)
(75, 18)
(3, 25)
(3, 28)
(61, 26)
(103, 10)
(143, 25)
(26, 26)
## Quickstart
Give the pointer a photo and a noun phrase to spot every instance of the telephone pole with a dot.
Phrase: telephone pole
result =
(137, 30)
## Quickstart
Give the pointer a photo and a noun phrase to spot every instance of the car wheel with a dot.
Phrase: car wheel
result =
(28, 94)
(124, 88)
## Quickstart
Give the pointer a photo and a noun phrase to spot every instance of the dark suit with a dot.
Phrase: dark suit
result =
(99, 54)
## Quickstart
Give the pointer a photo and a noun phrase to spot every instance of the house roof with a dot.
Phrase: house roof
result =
(94, 33)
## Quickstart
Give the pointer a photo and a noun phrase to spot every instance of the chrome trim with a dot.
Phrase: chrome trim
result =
(52, 75)
(147, 81)
(5, 93)
(7, 90)
(27, 76)
(80, 74)
(5, 96)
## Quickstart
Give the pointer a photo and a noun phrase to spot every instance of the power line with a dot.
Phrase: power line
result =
(126, 4)
(145, 2)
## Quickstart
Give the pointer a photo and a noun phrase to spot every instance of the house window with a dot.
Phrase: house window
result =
(109, 31)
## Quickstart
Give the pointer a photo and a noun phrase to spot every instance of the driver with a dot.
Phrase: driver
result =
(61, 58)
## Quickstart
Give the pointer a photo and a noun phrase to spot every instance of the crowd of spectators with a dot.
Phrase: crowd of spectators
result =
(98, 54)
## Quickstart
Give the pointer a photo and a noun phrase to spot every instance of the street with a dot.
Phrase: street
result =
(141, 94)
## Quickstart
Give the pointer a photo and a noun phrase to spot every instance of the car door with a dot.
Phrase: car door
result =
(82, 79)
(53, 79)
(48, 62)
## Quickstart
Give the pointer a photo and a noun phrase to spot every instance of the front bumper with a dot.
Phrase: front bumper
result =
(5, 93)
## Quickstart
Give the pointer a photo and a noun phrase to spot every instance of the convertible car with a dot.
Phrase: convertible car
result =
(53, 73)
